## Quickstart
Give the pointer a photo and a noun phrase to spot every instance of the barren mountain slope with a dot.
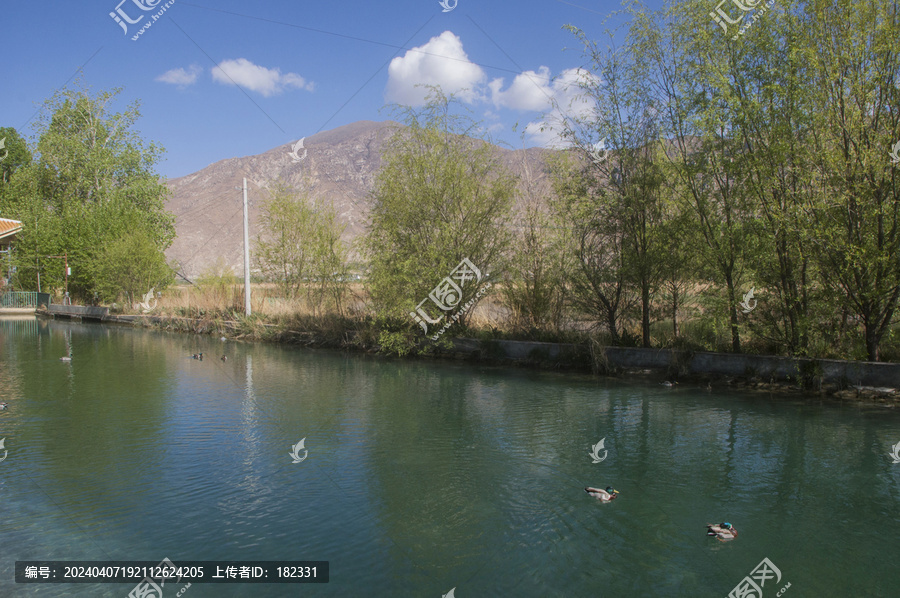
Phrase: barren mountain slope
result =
(340, 166)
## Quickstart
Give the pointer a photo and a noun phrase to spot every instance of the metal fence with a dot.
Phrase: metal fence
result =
(24, 299)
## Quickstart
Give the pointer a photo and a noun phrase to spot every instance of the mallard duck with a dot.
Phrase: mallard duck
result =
(66, 358)
(669, 384)
(604, 495)
(197, 356)
(722, 531)
(3, 406)
(224, 358)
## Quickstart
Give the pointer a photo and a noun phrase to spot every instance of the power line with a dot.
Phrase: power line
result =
(350, 37)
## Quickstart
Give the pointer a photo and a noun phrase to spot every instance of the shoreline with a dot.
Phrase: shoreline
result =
(861, 383)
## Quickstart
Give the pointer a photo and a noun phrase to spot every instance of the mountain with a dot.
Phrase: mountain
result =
(340, 166)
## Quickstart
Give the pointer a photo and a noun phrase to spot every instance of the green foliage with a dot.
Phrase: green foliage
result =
(535, 284)
(395, 343)
(599, 283)
(302, 241)
(774, 174)
(286, 243)
(440, 196)
(14, 155)
(91, 181)
(131, 265)
(328, 264)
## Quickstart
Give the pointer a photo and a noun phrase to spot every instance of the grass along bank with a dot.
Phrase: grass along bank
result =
(295, 321)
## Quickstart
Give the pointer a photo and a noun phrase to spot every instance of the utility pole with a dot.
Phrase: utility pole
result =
(66, 262)
(66, 271)
(246, 253)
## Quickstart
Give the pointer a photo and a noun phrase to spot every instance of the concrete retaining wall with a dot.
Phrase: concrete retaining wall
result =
(673, 363)
(79, 311)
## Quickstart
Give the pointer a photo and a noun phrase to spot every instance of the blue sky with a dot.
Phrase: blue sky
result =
(228, 79)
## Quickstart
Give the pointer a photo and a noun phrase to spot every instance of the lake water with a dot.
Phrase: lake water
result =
(422, 477)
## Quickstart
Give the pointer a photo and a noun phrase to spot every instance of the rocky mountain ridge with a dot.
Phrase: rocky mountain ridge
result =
(340, 166)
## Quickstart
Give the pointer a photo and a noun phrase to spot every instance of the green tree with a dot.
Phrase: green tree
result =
(287, 241)
(92, 182)
(595, 237)
(535, 285)
(852, 203)
(625, 183)
(131, 265)
(686, 69)
(14, 154)
(679, 265)
(328, 261)
(441, 196)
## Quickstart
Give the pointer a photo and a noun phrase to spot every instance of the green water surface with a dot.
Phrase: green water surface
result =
(422, 477)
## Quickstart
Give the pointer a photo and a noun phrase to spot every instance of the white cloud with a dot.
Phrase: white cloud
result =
(571, 103)
(529, 91)
(257, 78)
(181, 77)
(441, 61)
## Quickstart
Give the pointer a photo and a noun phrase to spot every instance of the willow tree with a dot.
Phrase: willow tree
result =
(441, 196)
(681, 52)
(535, 287)
(767, 88)
(329, 261)
(622, 198)
(285, 246)
(853, 204)
(131, 265)
(596, 239)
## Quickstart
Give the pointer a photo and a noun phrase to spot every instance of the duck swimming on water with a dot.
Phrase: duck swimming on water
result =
(722, 531)
(604, 495)
(3, 406)
(668, 384)
(197, 356)
(69, 358)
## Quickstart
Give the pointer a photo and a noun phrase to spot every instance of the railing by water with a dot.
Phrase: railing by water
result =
(24, 299)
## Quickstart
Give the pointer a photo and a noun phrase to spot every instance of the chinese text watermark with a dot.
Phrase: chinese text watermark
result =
(124, 19)
(723, 19)
(447, 296)
(752, 585)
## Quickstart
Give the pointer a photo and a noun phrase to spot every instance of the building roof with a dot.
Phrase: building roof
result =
(9, 228)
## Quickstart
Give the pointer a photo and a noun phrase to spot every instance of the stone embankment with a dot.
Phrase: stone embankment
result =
(849, 380)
